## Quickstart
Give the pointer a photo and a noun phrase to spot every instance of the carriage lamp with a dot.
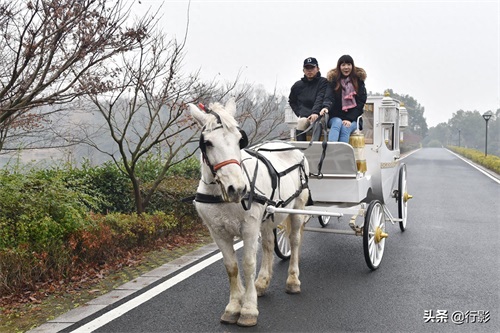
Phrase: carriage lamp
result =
(487, 115)
(357, 141)
(403, 120)
(291, 121)
(388, 110)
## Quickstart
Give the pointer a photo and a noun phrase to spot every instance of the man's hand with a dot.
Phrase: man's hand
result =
(312, 118)
(323, 111)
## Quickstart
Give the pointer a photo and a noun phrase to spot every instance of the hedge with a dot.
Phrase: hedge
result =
(491, 162)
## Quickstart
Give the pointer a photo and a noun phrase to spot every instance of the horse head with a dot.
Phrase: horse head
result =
(221, 142)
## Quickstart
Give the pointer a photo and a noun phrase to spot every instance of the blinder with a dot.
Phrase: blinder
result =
(244, 139)
(243, 142)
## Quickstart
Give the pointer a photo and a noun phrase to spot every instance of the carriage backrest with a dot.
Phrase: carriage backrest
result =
(339, 160)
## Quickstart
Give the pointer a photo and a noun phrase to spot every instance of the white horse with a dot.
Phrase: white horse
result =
(228, 173)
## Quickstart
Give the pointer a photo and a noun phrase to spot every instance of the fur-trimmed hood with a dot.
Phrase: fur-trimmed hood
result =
(360, 72)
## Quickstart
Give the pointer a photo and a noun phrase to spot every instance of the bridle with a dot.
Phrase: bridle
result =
(203, 146)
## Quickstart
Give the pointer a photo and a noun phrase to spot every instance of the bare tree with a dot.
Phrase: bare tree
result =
(261, 114)
(49, 46)
(143, 109)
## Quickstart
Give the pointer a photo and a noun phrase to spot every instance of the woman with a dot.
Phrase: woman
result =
(345, 98)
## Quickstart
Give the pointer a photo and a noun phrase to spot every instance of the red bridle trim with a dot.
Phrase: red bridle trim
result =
(221, 164)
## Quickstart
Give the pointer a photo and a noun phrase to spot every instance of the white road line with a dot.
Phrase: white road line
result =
(146, 296)
(484, 172)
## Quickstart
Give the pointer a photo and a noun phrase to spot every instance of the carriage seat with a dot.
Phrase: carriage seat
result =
(339, 160)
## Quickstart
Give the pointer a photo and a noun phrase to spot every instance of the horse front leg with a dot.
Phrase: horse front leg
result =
(249, 311)
(296, 231)
(233, 308)
(266, 266)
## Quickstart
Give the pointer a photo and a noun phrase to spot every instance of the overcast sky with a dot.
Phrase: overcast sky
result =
(445, 54)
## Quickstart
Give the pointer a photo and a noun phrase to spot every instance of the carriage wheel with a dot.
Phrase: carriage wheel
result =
(324, 220)
(403, 198)
(281, 242)
(374, 234)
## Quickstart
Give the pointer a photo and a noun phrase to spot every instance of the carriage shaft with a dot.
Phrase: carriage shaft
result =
(273, 209)
(333, 231)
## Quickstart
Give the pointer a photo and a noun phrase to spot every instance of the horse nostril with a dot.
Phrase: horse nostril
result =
(230, 190)
(236, 193)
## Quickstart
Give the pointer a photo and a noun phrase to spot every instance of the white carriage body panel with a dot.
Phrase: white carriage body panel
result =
(350, 190)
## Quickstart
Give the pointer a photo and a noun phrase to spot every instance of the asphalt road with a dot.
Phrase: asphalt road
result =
(441, 275)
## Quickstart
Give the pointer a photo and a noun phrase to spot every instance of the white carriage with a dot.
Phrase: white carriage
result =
(356, 179)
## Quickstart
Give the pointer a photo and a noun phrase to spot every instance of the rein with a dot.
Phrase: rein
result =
(324, 121)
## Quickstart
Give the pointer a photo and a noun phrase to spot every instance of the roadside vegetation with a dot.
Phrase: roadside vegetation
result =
(67, 228)
(490, 162)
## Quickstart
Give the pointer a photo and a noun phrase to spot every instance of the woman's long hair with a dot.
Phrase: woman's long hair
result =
(346, 59)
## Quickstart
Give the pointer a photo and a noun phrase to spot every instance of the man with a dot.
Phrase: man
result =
(306, 98)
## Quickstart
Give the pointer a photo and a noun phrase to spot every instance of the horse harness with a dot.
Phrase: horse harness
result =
(251, 196)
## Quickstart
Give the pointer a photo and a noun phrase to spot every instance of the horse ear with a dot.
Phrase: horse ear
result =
(198, 115)
(231, 106)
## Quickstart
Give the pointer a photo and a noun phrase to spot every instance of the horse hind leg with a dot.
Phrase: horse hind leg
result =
(266, 267)
(296, 226)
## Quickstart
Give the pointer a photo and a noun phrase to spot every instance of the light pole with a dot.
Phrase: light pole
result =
(487, 115)
(459, 138)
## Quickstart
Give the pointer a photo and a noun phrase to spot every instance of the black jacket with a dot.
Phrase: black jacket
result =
(333, 100)
(306, 97)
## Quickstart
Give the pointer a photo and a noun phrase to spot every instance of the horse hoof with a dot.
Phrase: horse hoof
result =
(260, 291)
(261, 286)
(247, 321)
(293, 289)
(229, 318)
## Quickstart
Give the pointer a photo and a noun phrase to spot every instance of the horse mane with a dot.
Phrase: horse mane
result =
(227, 119)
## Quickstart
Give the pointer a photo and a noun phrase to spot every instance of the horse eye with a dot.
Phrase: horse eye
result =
(208, 144)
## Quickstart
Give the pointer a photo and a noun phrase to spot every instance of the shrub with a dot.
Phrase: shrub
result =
(189, 168)
(148, 169)
(22, 268)
(48, 230)
(38, 210)
(168, 198)
(103, 238)
(106, 182)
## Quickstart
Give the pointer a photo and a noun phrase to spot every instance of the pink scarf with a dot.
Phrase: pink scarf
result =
(348, 92)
